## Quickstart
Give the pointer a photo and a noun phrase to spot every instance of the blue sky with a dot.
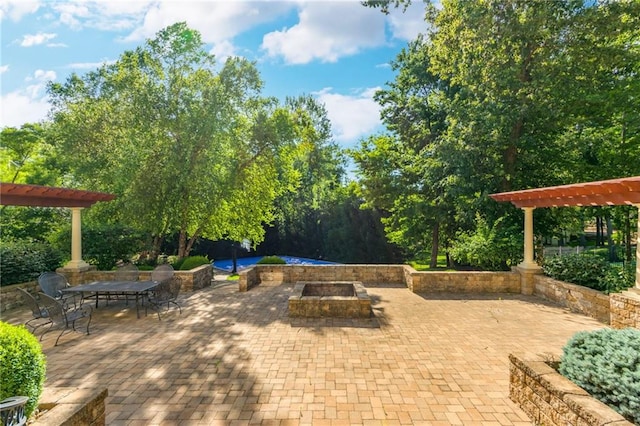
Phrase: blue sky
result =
(338, 51)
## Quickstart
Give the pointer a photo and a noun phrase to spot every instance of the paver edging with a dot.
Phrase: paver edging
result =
(549, 398)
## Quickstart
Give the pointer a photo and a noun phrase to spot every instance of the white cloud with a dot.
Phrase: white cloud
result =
(408, 24)
(102, 15)
(216, 21)
(223, 50)
(4, 68)
(352, 116)
(36, 39)
(29, 104)
(16, 9)
(327, 31)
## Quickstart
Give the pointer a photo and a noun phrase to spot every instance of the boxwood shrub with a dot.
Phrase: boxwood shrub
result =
(193, 262)
(22, 365)
(271, 260)
(606, 363)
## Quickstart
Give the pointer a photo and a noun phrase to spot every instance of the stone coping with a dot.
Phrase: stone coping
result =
(71, 407)
(549, 398)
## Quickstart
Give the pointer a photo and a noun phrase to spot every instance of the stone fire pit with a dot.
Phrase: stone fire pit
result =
(329, 299)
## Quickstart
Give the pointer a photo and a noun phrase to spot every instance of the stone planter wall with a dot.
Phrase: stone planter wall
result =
(10, 298)
(72, 407)
(576, 298)
(625, 309)
(549, 398)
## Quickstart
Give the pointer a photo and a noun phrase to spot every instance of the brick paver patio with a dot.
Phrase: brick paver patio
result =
(237, 358)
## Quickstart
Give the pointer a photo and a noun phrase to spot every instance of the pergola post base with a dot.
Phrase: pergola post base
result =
(527, 272)
(75, 275)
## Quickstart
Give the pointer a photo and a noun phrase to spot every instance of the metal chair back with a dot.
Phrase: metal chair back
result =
(162, 273)
(37, 311)
(128, 272)
(61, 318)
(52, 283)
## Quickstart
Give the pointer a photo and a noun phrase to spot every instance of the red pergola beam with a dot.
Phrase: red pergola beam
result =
(15, 194)
(614, 192)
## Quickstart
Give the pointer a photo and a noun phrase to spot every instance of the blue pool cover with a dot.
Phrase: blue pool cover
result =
(248, 262)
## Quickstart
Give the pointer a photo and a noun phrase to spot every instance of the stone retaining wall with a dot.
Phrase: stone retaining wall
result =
(625, 309)
(279, 274)
(418, 282)
(549, 398)
(465, 282)
(576, 298)
(71, 407)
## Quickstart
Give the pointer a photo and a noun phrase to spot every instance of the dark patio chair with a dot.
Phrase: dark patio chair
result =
(39, 313)
(165, 294)
(52, 283)
(167, 291)
(162, 273)
(63, 318)
(127, 272)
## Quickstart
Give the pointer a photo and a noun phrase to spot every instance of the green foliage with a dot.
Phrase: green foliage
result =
(104, 245)
(193, 262)
(606, 363)
(271, 260)
(190, 146)
(23, 261)
(620, 277)
(591, 270)
(22, 365)
(489, 247)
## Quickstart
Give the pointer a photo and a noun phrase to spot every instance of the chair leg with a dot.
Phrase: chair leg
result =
(60, 335)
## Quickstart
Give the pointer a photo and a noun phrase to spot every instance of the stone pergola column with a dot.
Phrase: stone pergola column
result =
(528, 262)
(76, 261)
(528, 267)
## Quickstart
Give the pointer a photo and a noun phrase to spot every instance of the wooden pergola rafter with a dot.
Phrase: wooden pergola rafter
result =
(613, 192)
(16, 194)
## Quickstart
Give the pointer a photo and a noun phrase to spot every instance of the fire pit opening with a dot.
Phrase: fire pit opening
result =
(332, 299)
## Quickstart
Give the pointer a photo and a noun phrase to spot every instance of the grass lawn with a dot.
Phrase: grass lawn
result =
(423, 264)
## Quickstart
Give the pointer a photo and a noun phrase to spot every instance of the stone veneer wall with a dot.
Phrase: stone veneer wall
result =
(576, 298)
(418, 282)
(71, 407)
(279, 274)
(549, 398)
(625, 309)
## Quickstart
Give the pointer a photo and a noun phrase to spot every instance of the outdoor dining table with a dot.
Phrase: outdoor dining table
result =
(113, 288)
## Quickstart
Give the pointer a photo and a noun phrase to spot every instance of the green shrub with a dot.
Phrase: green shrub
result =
(591, 271)
(491, 248)
(271, 260)
(23, 261)
(22, 365)
(606, 363)
(193, 262)
(620, 277)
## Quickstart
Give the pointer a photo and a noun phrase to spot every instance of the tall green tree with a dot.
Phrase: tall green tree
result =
(177, 137)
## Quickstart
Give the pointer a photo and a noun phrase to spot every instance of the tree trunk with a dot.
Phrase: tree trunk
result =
(434, 245)
(182, 244)
(611, 247)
